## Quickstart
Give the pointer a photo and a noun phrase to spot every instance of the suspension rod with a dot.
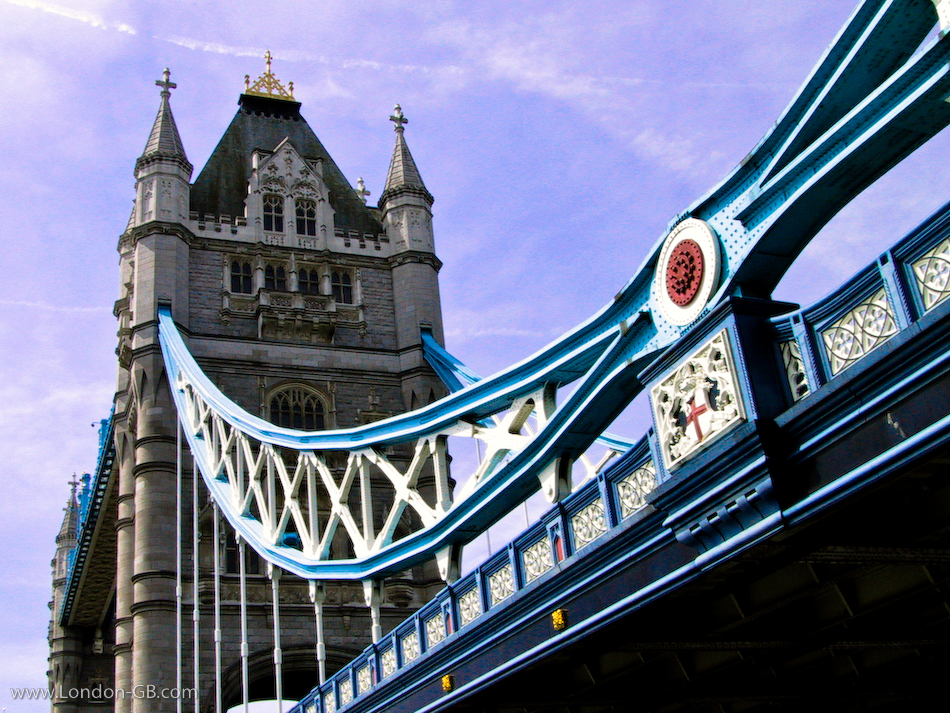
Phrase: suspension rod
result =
(217, 610)
(278, 656)
(196, 611)
(178, 604)
(244, 651)
(317, 596)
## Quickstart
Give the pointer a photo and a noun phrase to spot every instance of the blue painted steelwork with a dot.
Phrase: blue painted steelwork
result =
(869, 103)
(85, 495)
(456, 375)
(91, 502)
(919, 356)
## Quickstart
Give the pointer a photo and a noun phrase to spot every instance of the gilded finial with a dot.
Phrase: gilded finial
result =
(361, 189)
(267, 85)
(398, 118)
(165, 84)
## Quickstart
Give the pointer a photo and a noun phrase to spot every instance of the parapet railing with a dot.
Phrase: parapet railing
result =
(92, 502)
(596, 508)
(887, 297)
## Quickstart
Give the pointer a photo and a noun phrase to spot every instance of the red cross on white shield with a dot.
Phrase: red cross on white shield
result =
(699, 415)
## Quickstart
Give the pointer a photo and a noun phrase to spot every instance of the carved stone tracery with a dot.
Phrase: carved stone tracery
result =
(932, 271)
(859, 331)
(697, 402)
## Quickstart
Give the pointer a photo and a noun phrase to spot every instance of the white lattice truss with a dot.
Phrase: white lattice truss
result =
(310, 494)
(833, 128)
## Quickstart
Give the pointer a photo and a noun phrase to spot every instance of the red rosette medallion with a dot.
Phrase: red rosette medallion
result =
(684, 272)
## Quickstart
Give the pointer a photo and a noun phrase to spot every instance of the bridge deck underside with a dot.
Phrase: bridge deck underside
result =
(848, 613)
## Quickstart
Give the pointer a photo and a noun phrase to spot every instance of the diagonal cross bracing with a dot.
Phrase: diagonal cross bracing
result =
(868, 104)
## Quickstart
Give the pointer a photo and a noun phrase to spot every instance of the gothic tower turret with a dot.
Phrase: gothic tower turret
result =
(306, 311)
(162, 172)
(406, 207)
(154, 262)
(406, 203)
(65, 661)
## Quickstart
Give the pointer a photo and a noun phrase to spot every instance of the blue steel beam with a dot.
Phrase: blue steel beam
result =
(869, 103)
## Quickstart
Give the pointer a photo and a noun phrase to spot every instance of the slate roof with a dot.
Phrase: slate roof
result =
(403, 174)
(164, 141)
(402, 169)
(70, 524)
(262, 123)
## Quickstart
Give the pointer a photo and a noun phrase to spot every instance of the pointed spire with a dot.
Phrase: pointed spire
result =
(164, 141)
(67, 530)
(403, 173)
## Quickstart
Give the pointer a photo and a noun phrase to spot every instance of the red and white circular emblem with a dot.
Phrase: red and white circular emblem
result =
(687, 272)
(684, 272)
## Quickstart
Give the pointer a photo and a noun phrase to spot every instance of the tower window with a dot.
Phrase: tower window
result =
(342, 287)
(275, 278)
(232, 563)
(306, 217)
(241, 277)
(297, 407)
(274, 213)
(309, 281)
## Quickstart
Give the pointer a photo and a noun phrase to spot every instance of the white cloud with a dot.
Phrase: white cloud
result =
(542, 59)
(506, 321)
(292, 55)
(214, 47)
(51, 307)
(80, 15)
(673, 151)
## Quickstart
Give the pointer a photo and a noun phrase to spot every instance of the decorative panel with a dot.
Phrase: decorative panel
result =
(329, 703)
(388, 660)
(501, 584)
(364, 679)
(589, 523)
(410, 646)
(537, 559)
(346, 692)
(633, 490)
(860, 331)
(795, 369)
(932, 272)
(470, 608)
(698, 401)
(435, 630)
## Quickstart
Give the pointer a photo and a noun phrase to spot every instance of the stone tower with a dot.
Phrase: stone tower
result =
(65, 660)
(303, 305)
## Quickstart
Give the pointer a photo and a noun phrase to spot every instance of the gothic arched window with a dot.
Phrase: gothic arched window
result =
(342, 287)
(275, 278)
(306, 217)
(309, 281)
(241, 277)
(297, 407)
(274, 213)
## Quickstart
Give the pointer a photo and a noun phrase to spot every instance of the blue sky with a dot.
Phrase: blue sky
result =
(558, 139)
